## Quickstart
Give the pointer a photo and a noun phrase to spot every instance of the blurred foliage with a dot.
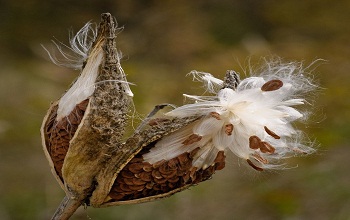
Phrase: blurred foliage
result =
(162, 41)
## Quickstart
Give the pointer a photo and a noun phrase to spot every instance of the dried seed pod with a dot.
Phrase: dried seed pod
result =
(80, 129)
(83, 143)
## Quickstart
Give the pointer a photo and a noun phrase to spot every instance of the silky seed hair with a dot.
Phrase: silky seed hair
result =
(253, 118)
(86, 55)
(74, 55)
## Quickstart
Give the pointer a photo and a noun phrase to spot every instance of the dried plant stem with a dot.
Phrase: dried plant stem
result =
(66, 209)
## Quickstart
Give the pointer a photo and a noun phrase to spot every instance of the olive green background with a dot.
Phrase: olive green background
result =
(162, 41)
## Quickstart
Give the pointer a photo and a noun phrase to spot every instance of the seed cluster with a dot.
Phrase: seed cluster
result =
(59, 133)
(140, 179)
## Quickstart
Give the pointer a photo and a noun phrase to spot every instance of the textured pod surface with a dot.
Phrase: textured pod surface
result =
(139, 181)
(142, 180)
(59, 133)
(80, 142)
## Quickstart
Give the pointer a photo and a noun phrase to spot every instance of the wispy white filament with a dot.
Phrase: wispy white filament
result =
(80, 51)
(74, 55)
(83, 86)
(231, 118)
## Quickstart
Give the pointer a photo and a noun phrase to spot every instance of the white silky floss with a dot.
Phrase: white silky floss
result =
(78, 53)
(253, 121)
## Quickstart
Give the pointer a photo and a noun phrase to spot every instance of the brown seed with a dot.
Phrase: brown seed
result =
(156, 174)
(271, 133)
(174, 179)
(220, 157)
(147, 167)
(229, 129)
(266, 148)
(165, 169)
(125, 187)
(145, 176)
(219, 166)
(193, 173)
(300, 151)
(181, 172)
(193, 138)
(254, 166)
(170, 175)
(220, 160)
(215, 115)
(173, 163)
(260, 159)
(272, 85)
(160, 181)
(158, 164)
(136, 160)
(128, 182)
(138, 182)
(127, 174)
(194, 152)
(254, 142)
(117, 189)
(149, 185)
(137, 187)
(184, 161)
(135, 167)
(116, 196)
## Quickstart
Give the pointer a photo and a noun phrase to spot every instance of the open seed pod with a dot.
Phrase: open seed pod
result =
(141, 180)
(82, 133)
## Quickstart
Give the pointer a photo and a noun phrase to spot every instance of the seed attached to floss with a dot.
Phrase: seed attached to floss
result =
(215, 115)
(228, 129)
(193, 138)
(254, 166)
(169, 153)
(267, 148)
(272, 85)
(259, 158)
(271, 133)
(254, 142)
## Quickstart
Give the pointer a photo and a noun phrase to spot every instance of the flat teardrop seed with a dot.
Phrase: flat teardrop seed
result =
(266, 148)
(254, 142)
(272, 85)
(215, 115)
(259, 158)
(162, 177)
(254, 166)
(193, 138)
(271, 133)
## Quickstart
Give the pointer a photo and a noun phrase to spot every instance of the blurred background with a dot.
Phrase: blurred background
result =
(162, 41)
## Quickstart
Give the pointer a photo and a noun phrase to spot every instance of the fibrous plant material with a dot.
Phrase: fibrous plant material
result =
(83, 131)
